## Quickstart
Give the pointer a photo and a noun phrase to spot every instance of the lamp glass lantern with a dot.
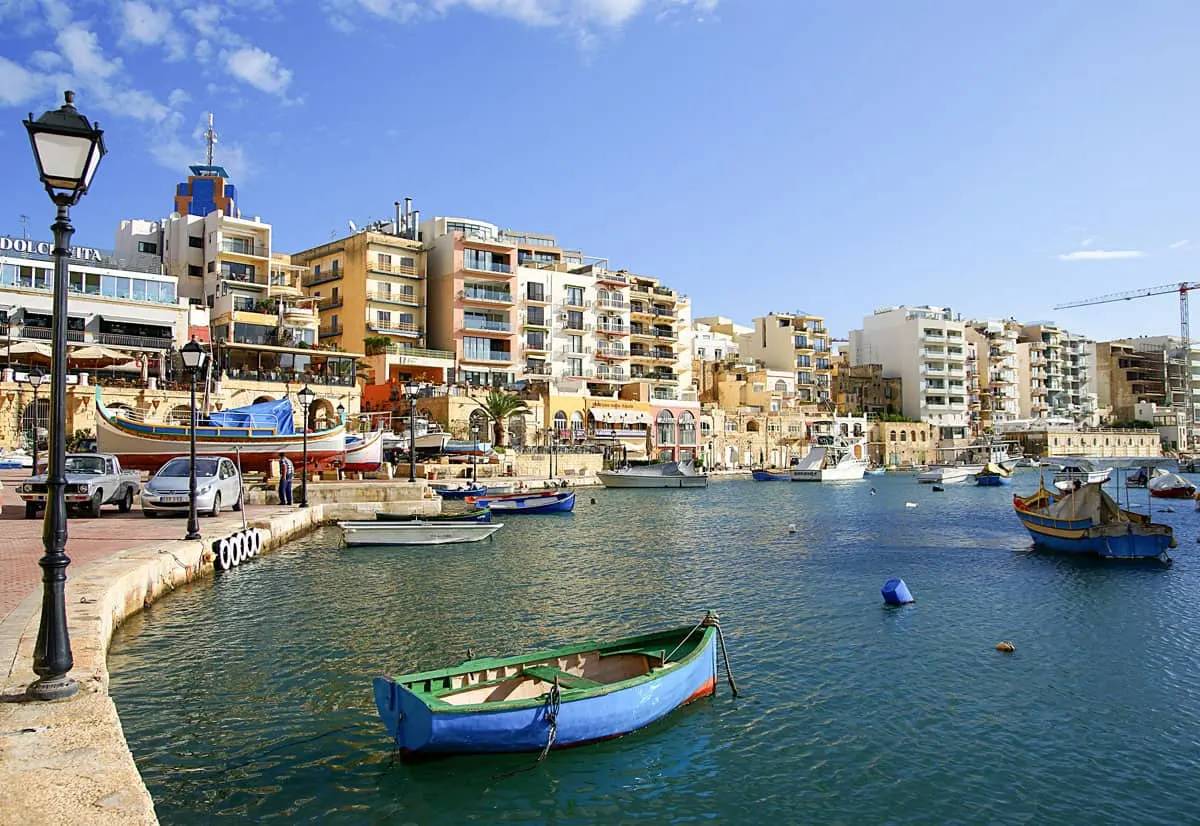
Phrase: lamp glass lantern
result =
(36, 377)
(68, 150)
(193, 356)
(305, 395)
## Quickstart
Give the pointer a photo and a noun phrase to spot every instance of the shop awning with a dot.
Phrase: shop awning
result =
(610, 414)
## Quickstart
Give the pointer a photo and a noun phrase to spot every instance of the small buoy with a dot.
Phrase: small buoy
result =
(910, 504)
(1006, 647)
(895, 592)
(593, 500)
(792, 528)
(938, 488)
(872, 491)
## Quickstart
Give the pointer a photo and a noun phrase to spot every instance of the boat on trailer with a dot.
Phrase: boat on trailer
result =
(1086, 520)
(550, 699)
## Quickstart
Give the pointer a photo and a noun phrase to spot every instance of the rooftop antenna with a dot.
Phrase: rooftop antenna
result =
(353, 226)
(210, 138)
(25, 227)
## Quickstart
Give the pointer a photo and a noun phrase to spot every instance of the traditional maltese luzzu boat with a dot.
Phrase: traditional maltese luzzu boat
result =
(259, 433)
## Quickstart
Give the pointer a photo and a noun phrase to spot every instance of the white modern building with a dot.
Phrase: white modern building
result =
(926, 348)
(125, 303)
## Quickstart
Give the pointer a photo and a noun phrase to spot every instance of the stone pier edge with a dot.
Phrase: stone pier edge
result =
(68, 762)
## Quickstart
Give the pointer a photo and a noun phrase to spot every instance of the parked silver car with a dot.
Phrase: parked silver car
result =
(217, 486)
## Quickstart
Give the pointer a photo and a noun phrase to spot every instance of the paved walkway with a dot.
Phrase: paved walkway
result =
(87, 539)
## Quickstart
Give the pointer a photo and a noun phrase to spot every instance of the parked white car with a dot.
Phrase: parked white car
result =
(218, 485)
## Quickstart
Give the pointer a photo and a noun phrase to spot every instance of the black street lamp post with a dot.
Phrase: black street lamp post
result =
(193, 356)
(305, 395)
(68, 150)
(34, 379)
(413, 391)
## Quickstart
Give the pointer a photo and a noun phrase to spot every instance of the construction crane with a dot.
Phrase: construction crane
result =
(1182, 288)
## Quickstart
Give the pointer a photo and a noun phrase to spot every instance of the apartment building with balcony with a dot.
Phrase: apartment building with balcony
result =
(996, 395)
(660, 334)
(1181, 378)
(372, 290)
(797, 342)
(126, 304)
(714, 339)
(473, 299)
(926, 347)
(1056, 374)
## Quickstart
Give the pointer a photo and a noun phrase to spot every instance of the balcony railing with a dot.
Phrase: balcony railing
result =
(245, 248)
(321, 277)
(537, 297)
(478, 294)
(394, 296)
(418, 352)
(487, 355)
(392, 269)
(613, 352)
(613, 329)
(612, 304)
(44, 334)
(614, 277)
(493, 267)
(487, 324)
(396, 327)
(330, 303)
(330, 330)
(137, 342)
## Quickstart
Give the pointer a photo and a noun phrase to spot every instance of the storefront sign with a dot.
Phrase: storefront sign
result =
(27, 245)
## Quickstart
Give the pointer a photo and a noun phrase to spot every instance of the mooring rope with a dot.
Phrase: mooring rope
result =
(553, 704)
(712, 620)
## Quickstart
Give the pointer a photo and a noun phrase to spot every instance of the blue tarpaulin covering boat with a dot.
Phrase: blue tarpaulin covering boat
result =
(276, 415)
(561, 697)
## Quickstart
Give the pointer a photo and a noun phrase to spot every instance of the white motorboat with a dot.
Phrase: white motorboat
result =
(1077, 470)
(948, 474)
(838, 452)
(430, 437)
(662, 475)
(416, 532)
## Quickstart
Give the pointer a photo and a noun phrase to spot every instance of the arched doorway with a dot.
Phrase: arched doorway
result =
(478, 427)
(35, 424)
(263, 400)
(180, 414)
(321, 415)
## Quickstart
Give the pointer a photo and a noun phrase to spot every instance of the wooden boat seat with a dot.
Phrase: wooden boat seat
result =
(656, 656)
(547, 673)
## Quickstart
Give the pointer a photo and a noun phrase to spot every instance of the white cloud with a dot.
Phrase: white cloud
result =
(178, 98)
(1100, 255)
(1178, 245)
(58, 13)
(203, 51)
(260, 69)
(147, 25)
(577, 15)
(1087, 242)
(46, 61)
(18, 85)
(81, 48)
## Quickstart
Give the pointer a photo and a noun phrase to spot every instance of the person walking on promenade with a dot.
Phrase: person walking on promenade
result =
(286, 472)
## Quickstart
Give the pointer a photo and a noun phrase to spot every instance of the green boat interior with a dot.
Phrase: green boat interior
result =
(512, 679)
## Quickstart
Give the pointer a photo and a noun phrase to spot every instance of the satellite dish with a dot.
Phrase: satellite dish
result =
(353, 226)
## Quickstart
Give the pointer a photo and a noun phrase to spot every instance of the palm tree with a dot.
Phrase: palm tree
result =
(498, 406)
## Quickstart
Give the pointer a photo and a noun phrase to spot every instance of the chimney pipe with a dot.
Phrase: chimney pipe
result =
(397, 229)
(413, 221)
(410, 230)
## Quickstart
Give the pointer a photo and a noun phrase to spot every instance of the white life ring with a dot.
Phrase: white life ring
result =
(239, 549)
(223, 563)
(257, 539)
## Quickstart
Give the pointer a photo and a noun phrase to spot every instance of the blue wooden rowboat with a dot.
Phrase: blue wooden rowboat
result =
(473, 515)
(771, 475)
(551, 699)
(1086, 520)
(532, 503)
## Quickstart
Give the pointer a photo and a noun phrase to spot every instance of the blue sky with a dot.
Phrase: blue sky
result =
(818, 155)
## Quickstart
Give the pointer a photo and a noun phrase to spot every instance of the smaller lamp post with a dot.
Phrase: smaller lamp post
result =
(34, 380)
(413, 391)
(193, 356)
(341, 413)
(305, 396)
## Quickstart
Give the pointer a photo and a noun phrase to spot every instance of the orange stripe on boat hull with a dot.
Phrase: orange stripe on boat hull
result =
(709, 688)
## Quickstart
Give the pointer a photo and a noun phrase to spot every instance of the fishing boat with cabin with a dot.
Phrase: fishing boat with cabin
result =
(838, 452)
(1086, 520)
(550, 699)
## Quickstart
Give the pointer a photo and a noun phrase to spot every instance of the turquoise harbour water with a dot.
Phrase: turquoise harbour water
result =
(247, 699)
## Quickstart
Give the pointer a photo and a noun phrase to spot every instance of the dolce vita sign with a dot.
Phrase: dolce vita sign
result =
(27, 245)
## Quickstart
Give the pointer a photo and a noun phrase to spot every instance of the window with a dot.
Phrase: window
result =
(385, 318)
(687, 429)
(196, 242)
(804, 361)
(535, 340)
(577, 420)
(385, 261)
(666, 428)
(535, 292)
(195, 271)
(575, 296)
(574, 367)
(560, 420)
(574, 320)
(536, 315)
(148, 247)
(574, 344)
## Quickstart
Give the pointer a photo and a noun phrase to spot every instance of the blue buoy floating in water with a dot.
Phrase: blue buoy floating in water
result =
(895, 592)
